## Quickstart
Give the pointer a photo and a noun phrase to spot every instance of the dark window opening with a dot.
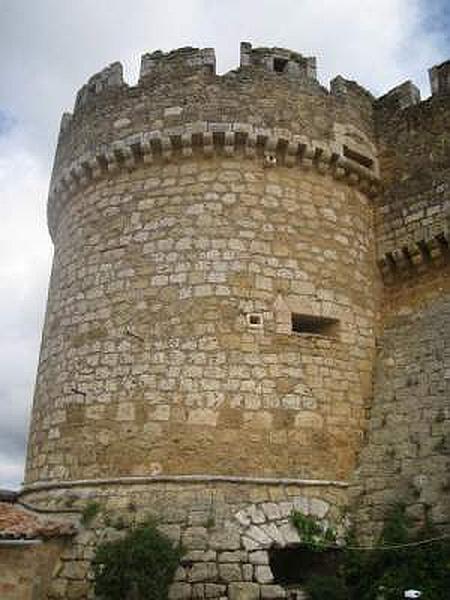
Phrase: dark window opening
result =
(280, 65)
(255, 319)
(297, 564)
(365, 161)
(315, 325)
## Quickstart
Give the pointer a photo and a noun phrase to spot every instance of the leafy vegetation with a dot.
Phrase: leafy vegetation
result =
(399, 561)
(388, 571)
(89, 512)
(312, 532)
(320, 587)
(141, 565)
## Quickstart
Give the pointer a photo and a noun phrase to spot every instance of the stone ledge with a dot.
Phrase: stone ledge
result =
(47, 485)
(204, 139)
(415, 253)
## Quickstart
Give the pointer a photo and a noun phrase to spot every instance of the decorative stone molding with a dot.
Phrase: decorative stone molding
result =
(418, 252)
(274, 148)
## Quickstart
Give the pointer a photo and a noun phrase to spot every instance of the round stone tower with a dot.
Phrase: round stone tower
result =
(209, 337)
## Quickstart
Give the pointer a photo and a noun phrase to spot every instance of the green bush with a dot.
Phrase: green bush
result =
(140, 566)
(387, 572)
(312, 532)
(326, 587)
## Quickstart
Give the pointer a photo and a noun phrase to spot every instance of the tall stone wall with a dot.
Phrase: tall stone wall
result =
(407, 457)
(213, 300)
(233, 294)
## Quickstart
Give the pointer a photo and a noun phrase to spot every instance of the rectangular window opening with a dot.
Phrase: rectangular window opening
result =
(365, 161)
(280, 65)
(312, 325)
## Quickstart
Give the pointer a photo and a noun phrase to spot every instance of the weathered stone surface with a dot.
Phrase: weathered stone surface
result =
(259, 557)
(318, 508)
(202, 572)
(161, 232)
(209, 314)
(195, 538)
(214, 590)
(200, 556)
(230, 557)
(289, 533)
(226, 539)
(263, 574)
(230, 572)
(243, 591)
(258, 535)
(271, 510)
(180, 591)
(272, 592)
(247, 572)
(251, 544)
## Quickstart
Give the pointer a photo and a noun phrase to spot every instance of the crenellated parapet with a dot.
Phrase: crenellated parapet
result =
(181, 107)
(184, 62)
(414, 155)
(280, 61)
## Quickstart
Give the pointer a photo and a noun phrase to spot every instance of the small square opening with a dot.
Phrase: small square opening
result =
(280, 65)
(255, 320)
(312, 325)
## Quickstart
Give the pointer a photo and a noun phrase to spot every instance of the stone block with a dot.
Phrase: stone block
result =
(200, 556)
(230, 572)
(214, 590)
(231, 557)
(198, 591)
(250, 544)
(289, 533)
(272, 592)
(318, 508)
(271, 510)
(195, 538)
(227, 538)
(202, 572)
(263, 574)
(260, 557)
(180, 591)
(247, 572)
(243, 591)
(258, 535)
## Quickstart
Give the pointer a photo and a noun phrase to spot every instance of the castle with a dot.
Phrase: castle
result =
(248, 313)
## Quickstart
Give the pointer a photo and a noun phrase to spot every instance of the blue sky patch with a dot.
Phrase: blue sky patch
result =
(437, 20)
(7, 122)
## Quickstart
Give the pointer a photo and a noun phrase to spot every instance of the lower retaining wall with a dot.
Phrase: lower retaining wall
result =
(225, 529)
(26, 569)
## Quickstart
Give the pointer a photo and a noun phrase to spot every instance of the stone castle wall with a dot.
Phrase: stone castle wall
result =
(407, 455)
(181, 254)
(226, 529)
(249, 299)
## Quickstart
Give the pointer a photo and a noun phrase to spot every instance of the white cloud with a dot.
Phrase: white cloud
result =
(25, 255)
(49, 48)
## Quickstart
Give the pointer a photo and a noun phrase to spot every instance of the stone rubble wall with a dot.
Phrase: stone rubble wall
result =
(225, 530)
(407, 456)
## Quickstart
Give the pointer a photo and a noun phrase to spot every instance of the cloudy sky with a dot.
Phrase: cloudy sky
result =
(48, 49)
